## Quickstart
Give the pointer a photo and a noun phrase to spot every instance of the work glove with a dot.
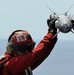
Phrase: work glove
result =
(51, 26)
(72, 21)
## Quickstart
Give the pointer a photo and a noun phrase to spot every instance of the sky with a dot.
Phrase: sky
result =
(60, 61)
(31, 15)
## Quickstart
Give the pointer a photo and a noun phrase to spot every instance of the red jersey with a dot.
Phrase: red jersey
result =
(23, 65)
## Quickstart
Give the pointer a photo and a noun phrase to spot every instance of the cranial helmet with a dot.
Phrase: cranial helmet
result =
(21, 40)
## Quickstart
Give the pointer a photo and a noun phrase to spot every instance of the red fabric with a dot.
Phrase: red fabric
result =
(33, 59)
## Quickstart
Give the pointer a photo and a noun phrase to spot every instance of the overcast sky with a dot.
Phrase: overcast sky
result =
(31, 15)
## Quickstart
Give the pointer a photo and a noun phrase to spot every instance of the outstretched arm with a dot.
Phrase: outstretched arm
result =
(44, 48)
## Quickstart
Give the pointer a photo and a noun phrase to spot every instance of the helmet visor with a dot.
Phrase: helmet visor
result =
(23, 47)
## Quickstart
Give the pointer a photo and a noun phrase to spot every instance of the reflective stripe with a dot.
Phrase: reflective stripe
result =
(28, 71)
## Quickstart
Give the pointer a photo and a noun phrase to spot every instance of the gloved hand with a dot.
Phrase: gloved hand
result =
(72, 21)
(51, 26)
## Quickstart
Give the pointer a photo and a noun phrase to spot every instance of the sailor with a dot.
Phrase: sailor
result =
(24, 56)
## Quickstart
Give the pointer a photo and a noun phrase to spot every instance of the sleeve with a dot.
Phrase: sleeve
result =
(34, 58)
(43, 50)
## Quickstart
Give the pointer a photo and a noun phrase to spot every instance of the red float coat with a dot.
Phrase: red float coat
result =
(23, 65)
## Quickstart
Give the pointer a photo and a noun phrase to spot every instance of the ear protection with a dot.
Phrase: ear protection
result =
(9, 49)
